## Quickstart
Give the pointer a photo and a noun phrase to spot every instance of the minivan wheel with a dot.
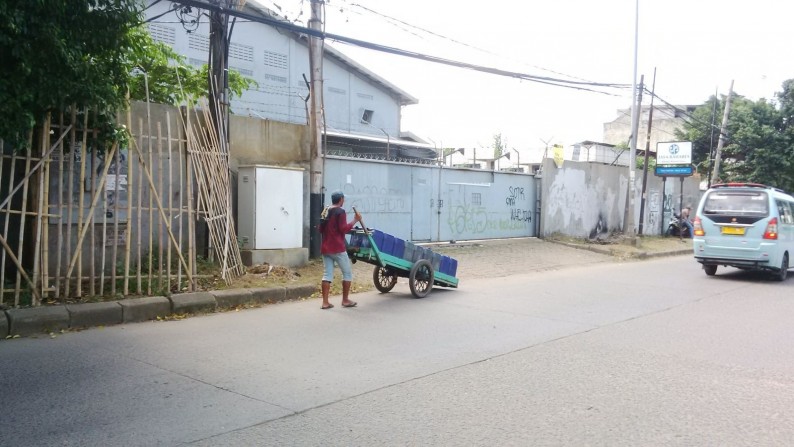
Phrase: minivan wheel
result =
(710, 270)
(781, 275)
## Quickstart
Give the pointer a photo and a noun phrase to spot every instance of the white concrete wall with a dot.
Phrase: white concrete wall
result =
(588, 200)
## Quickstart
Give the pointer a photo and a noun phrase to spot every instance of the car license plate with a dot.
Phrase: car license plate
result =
(733, 230)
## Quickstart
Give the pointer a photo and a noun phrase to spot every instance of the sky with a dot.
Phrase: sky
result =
(696, 46)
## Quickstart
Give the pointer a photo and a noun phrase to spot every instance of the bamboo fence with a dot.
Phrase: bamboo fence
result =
(78, 220)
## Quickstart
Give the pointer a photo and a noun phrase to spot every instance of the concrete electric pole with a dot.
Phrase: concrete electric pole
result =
(316, 127)
(628, 226)
(723, 130)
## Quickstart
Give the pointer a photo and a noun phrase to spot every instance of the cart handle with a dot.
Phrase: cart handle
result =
(361, 219)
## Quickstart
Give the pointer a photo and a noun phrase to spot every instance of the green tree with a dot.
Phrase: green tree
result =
(58, 52)
(498, 145)
(170, 79)
(758, 143)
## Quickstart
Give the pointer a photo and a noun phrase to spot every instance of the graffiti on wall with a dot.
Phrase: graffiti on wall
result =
(375, 199)
(476, 219)
(581, 206)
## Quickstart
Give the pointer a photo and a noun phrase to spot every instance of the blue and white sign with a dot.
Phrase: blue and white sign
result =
(674, 171)
(674, 153)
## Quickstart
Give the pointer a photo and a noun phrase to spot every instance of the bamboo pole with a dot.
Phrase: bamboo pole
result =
(191, 226)
(37, 248)
(7, 217)
(32, 170)
(151, 193)
(115, 249)
(80, 210)
(160, 175)
(20, 270)
(128, 230)
(170, 199)
(70, 197)
(92, 251)
(139, 214)
(100, 189)
(45, 267)
(182, 187)
(59, 250)
(22, 231)
(159, 203)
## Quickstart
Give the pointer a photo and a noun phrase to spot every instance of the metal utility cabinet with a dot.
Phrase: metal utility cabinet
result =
(270, 212)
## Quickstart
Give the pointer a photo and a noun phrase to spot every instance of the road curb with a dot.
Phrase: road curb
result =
(229, 298)
(293, 292)
(35, 320)
(609, 252)
(3, 325)
(193, 302)
(94, 314)
(134, 310)
(269, 295)
(38, 320)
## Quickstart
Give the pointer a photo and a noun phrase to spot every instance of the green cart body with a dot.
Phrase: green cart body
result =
(388, 267)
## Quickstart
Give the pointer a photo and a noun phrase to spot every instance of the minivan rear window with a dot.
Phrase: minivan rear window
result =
(737, 203)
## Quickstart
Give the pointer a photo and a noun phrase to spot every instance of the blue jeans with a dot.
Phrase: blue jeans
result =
(342, 261)
(688, 224)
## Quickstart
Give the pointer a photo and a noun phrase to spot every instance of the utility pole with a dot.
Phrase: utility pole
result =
(647, 149)
(628, 217)
(218, 72)
(628, 222)
(316, 127)
(723, 130)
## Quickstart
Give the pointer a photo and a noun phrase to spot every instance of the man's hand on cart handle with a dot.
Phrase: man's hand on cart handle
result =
(360, 219)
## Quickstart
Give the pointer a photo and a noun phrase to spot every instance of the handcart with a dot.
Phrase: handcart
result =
(393, 258)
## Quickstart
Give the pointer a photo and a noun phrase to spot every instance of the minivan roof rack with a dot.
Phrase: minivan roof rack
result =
(746, 185)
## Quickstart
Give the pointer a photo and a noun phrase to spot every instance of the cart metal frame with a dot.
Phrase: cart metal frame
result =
(420, 274)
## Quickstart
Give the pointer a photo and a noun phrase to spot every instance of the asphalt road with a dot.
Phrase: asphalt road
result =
(603, 353)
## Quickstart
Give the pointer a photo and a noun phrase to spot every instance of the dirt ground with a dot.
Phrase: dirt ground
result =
(489, 258)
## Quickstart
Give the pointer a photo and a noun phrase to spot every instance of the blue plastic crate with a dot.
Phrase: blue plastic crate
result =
(399, 248)
(436, 261)
(388, 244)
(444, 266)
(377, 237)
(408, 252)
(453, 267)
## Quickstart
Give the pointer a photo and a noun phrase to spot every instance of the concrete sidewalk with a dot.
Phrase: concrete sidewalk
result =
(476, 259)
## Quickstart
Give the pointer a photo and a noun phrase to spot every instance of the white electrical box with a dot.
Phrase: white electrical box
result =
(269, 207)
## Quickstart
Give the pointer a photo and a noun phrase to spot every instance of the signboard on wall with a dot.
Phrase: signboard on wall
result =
(674, 153)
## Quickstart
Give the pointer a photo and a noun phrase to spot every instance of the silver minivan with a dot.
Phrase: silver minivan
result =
(745, 225)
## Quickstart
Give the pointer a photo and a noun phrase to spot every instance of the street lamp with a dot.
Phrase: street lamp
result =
(518, 158)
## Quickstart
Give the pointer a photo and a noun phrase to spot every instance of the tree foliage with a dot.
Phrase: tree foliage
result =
(759, 142)
(56, 53)
(170, 80)
(498, 145)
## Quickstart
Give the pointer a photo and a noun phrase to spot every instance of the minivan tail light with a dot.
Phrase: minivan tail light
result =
(698, 227)
(771, 229)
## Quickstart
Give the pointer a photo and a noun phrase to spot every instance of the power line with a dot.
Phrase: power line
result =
(577, 85)
(392, 20)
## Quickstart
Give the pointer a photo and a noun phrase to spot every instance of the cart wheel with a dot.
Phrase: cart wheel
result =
(421, 278)
(384, 279)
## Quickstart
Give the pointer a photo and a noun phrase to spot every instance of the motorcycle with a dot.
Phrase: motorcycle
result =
(676, 227)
